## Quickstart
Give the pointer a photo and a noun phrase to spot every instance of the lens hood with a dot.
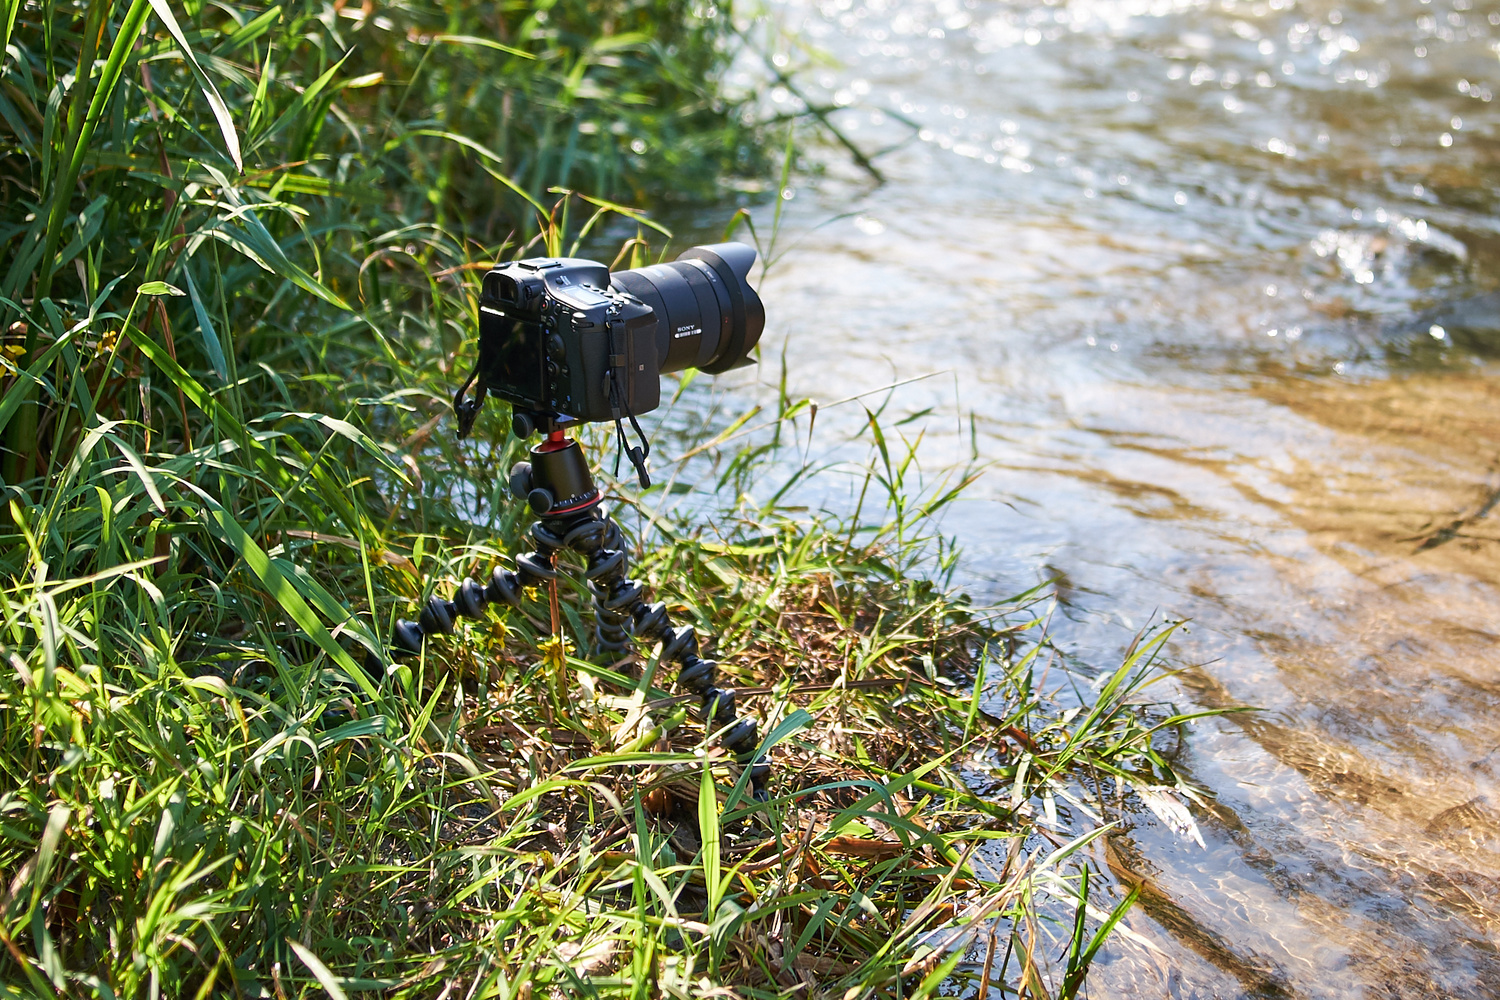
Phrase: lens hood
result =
(732, 263)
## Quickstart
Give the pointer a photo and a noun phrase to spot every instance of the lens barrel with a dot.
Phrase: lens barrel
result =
(707, 315)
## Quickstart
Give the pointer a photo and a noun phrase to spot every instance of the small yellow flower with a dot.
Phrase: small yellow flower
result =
(107, 341)
(555, 650)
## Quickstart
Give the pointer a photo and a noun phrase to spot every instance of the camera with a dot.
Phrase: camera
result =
(564, 336)
(564, 342)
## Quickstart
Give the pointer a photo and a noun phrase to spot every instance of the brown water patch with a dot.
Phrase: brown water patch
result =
(1413, 487)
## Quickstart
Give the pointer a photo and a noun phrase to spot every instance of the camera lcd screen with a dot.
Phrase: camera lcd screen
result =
(513, 368)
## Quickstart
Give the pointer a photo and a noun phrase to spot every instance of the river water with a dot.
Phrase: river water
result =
(1217, 284)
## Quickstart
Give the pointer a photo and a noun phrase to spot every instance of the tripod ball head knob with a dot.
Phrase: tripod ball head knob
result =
(540, 500)
(522, 424)
(520, 480)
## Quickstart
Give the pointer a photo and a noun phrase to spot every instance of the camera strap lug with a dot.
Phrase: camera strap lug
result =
(619, 405)
(617, 366)
(466, 410)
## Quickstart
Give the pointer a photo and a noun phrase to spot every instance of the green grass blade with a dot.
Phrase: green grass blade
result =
(109, 78)
(31, 378)
(251, 30)
(320, 972)
(708, 832)
(305, 101)
(487, 43)
(282, 590)
(8, 26)
(210, 92)
(212, 349)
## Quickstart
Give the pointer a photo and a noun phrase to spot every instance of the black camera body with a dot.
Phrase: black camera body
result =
(554, 336)
(562, 335)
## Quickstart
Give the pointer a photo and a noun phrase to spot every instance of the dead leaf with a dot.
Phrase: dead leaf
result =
(861, 847)
(384, 555)
(822, 966)
(421, 434)
(489, 737)
(588, 958)
(1171, 811)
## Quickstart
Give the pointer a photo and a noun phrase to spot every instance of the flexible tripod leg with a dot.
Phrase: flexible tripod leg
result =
(557, 485)
(469, 601)
(619, 599)
(621, 612)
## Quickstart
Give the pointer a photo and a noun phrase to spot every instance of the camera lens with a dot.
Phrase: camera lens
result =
(707, 315)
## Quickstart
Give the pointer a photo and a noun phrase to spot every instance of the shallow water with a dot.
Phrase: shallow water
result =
(1217, 283)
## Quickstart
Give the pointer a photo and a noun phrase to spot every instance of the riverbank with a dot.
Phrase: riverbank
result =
(244, 255)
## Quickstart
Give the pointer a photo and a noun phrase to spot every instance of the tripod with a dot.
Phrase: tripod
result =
(558, 487)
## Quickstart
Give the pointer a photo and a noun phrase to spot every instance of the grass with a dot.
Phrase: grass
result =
(242, 248)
